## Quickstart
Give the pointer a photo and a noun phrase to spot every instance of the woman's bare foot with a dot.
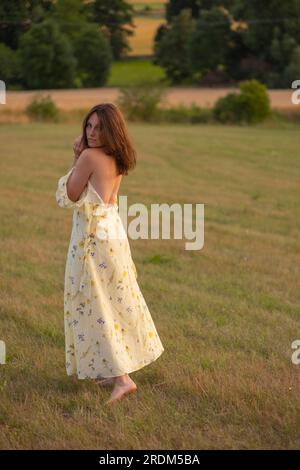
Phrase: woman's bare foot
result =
(124, 385)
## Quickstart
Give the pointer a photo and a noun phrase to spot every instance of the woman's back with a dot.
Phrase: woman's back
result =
(105, 178)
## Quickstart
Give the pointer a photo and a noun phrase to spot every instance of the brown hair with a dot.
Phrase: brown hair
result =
(113, 134)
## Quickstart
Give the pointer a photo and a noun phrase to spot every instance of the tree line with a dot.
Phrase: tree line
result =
(217, 41)
(63, 43)
(73, 43)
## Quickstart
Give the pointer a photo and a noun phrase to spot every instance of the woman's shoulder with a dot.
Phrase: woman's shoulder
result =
(103, 163)
(97, 156)
(93, 151)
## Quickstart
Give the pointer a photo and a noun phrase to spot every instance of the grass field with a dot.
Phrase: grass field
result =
(134, 72)
(226, 314)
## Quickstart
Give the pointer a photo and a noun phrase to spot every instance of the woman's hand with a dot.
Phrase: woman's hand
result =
(78, 146)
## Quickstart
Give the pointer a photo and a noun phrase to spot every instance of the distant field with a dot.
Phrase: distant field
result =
(150, 2)
(144, 32)
(146, 26)
(227, 314)
(85, 98)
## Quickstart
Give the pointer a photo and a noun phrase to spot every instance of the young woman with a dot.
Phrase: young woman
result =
(109, 331)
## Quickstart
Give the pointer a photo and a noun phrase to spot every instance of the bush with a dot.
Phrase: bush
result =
(171, 50)
(183, 114)
(42, 108)
(255, 101)
(141, 103)
(47, 58)
(227, 108)
(251, 105)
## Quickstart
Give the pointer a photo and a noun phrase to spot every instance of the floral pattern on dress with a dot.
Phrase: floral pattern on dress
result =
(109, 330)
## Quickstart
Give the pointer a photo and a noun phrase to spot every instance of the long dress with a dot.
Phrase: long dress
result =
(109, 330)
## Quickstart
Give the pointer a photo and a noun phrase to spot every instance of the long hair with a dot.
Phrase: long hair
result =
(113, 135)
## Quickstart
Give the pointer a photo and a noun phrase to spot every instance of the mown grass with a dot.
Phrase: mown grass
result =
(135, 72)
(226, 314)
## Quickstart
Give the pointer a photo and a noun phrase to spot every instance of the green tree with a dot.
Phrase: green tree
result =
(94, 57)
(47, 57)
(174, 7)
(268, 41)
(17, 17)
(9, 65)
(160, 32)
(171, 52)
(71, 16)
(212, 23)
(210, 40)
(292, 70)
(115, 18)
(259, 38)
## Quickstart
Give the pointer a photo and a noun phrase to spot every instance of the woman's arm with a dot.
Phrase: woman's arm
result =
(82, 169)
(74, 161)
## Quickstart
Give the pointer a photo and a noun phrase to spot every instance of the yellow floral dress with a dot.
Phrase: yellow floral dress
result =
(109, 330)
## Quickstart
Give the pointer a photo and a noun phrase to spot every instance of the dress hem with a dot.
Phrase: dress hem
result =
(122, 373)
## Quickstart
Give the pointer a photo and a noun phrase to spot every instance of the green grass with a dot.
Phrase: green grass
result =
(134, 72)
(226, 314)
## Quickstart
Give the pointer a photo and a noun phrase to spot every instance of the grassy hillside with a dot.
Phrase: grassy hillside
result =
(226, 314)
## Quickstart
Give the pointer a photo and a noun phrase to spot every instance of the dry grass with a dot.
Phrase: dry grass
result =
(143, 39)
(227, 314)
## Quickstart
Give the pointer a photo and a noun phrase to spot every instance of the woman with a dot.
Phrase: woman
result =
(109, 331)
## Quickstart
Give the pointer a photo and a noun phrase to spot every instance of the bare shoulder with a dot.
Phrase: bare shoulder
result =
(86, 157)
(90, 157)
(101, 160)
(88, 154)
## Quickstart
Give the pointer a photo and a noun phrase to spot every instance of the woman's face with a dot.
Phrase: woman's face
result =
(93, 131)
